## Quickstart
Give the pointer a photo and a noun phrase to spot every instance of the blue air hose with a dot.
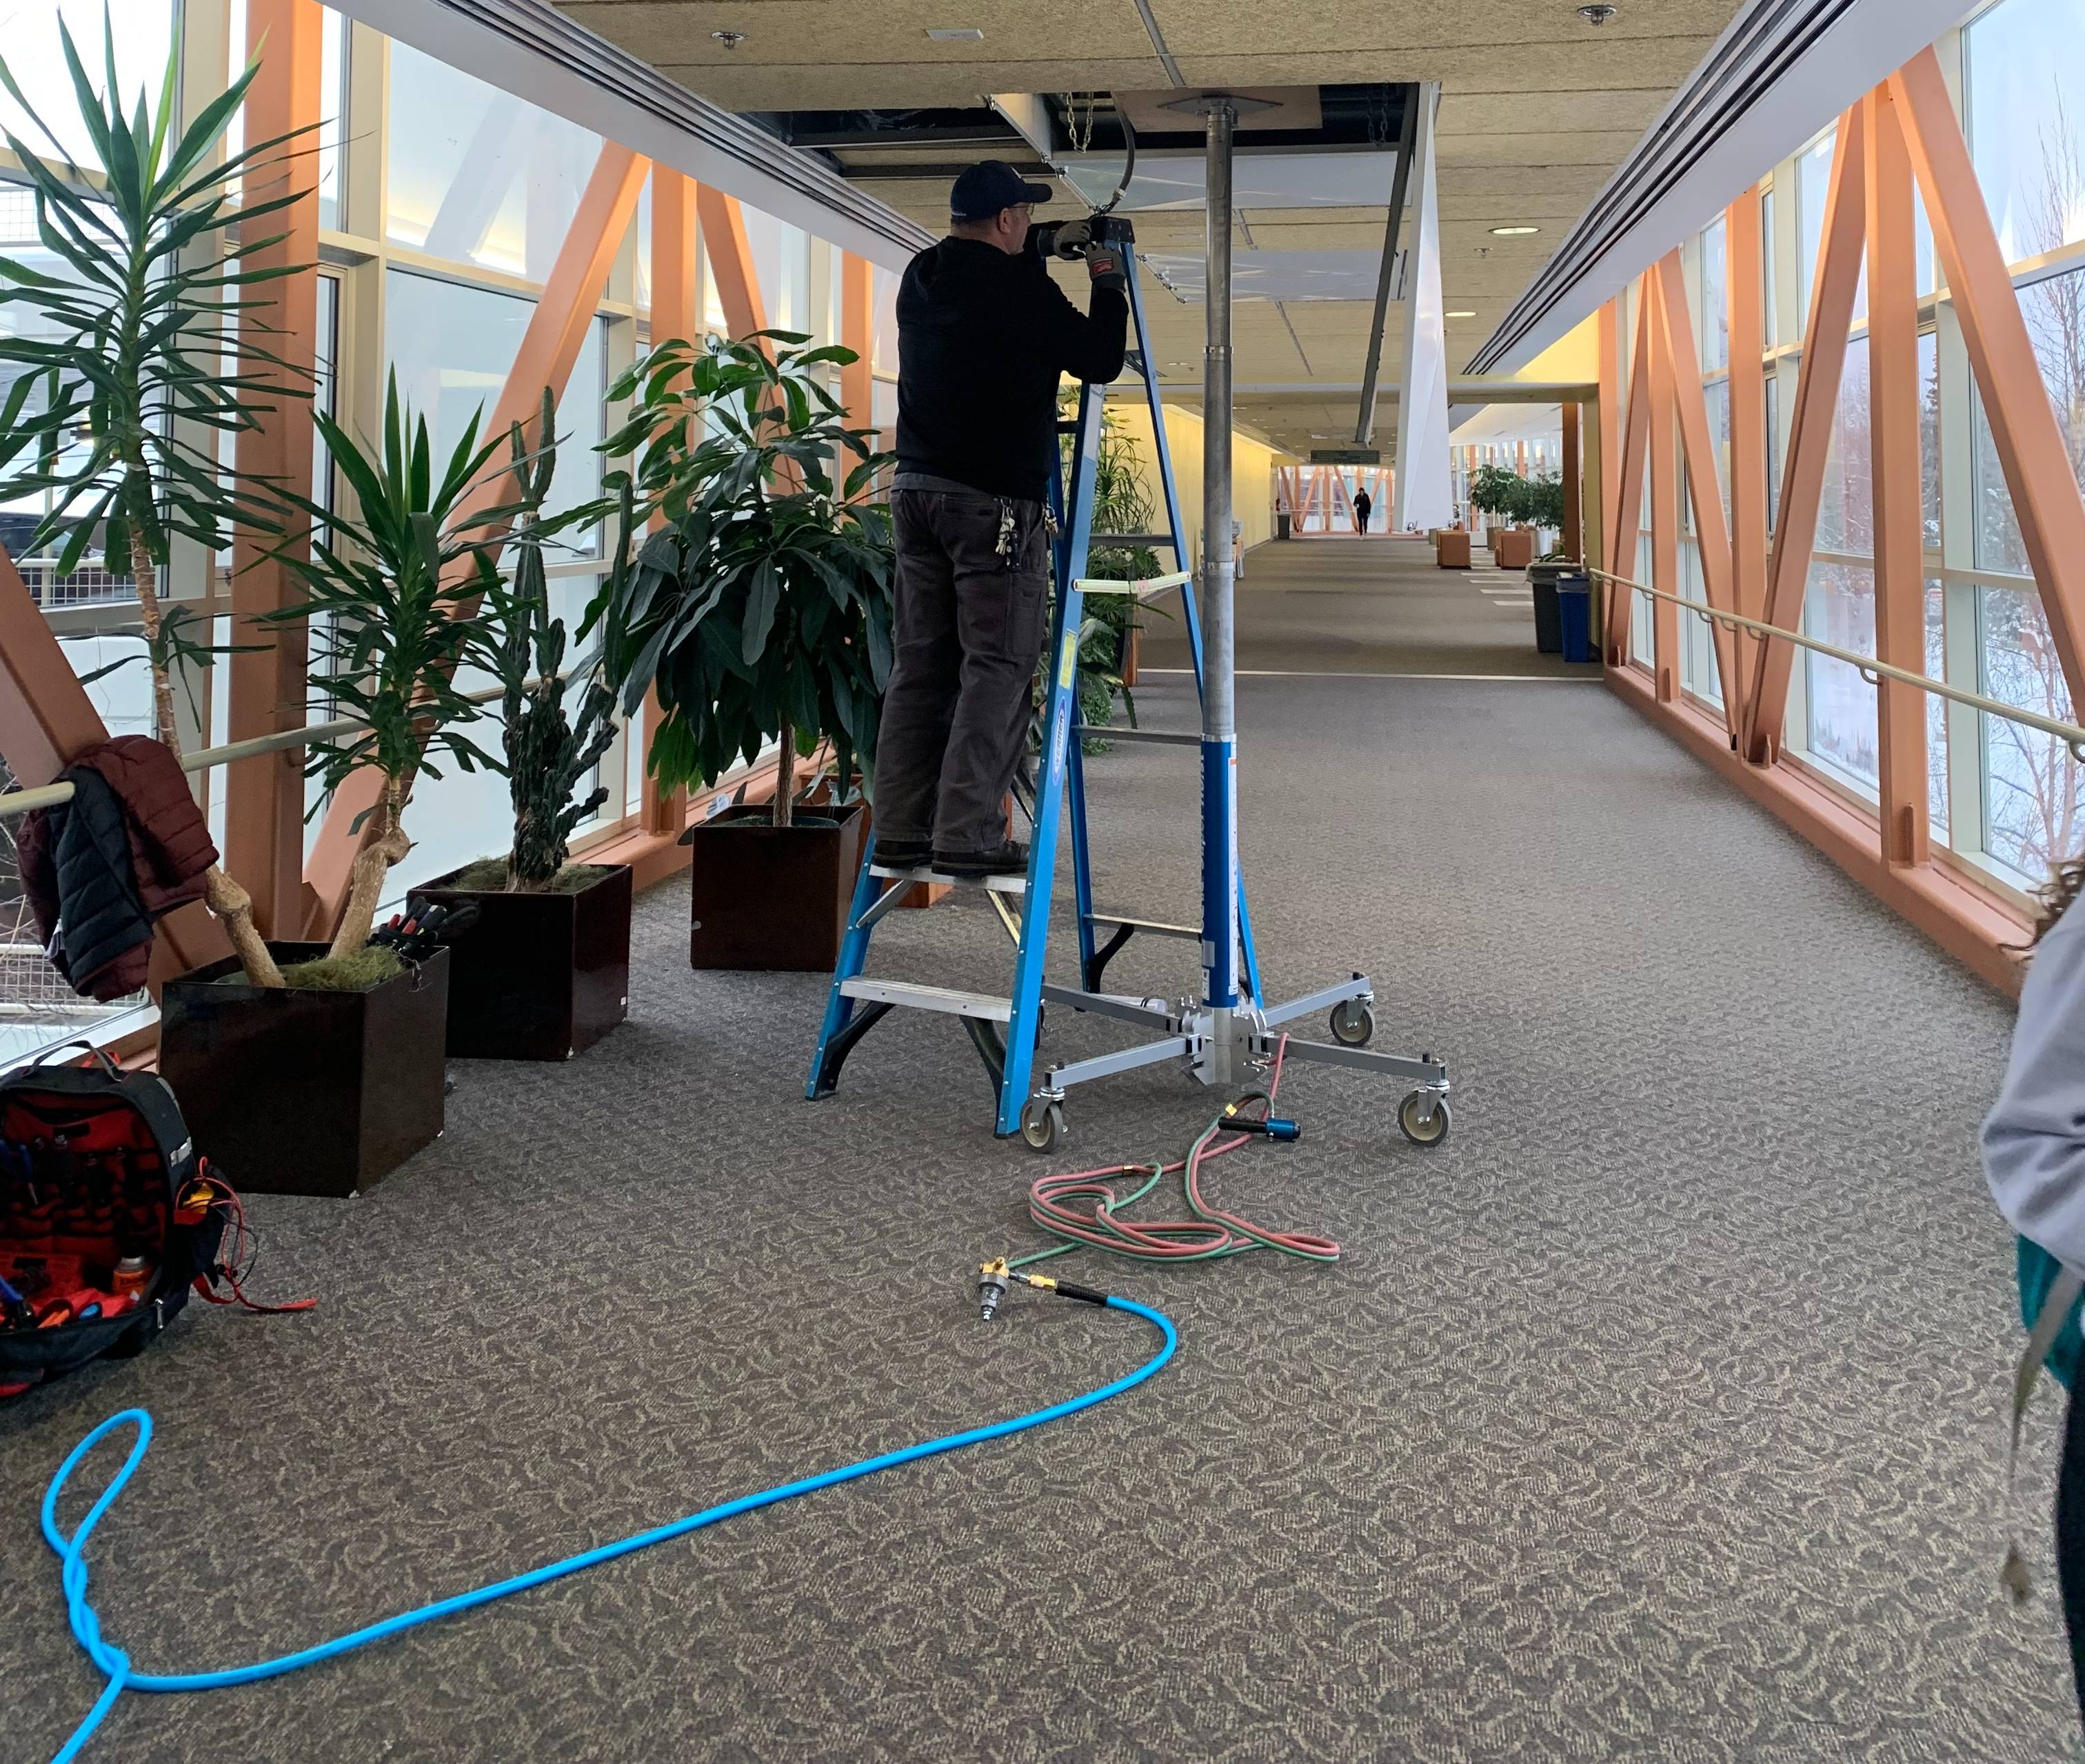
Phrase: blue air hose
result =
(115, 1665)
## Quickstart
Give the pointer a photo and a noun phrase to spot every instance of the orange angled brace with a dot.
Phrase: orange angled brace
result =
(1627, 504)
(557, 330)
(263, 796)
(2030, 446)
(731, 262)
(1664, 497)
(1810, 439)
(1712, 537)
(1894, 480)
(1744, 267)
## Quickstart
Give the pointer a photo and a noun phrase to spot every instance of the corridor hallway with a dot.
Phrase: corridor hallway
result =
(1374, 605)
(1656, 1416)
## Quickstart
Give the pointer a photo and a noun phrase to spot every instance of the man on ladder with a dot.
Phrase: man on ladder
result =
(983, 337)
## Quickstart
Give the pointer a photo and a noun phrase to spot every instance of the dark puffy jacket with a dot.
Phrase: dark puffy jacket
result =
(129, 848)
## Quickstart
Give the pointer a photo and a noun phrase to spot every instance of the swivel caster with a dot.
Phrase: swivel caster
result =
(1353, 1022)
(1425, 1126)
(1042, 1121)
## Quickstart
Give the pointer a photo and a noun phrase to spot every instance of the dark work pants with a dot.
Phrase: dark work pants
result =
(968, 631)
(2070, 1540)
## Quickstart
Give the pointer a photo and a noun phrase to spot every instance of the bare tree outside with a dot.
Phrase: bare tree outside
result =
(2035, 791)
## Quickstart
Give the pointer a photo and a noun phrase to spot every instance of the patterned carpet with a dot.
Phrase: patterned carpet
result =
(1655, 1417)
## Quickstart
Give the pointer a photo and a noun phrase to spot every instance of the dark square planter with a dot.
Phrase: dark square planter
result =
(304, 1092)
(539, 976)
(772, 897)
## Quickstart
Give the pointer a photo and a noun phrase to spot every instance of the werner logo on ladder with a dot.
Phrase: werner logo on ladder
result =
(1232, 1030)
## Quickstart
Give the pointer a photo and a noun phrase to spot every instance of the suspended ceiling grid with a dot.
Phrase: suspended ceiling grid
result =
(1537, 109)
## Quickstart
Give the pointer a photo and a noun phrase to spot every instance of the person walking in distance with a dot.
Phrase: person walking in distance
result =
(1363, 508)
(983, 337)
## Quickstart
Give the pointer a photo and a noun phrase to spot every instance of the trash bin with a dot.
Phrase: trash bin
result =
(1574, 617)
(1281, 524)
(1549, 638)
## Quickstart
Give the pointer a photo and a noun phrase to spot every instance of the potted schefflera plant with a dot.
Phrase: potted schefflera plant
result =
(327, 1083)
(760, 610)
(543, 971)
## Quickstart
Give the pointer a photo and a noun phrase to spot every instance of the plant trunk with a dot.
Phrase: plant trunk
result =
(386, 845)
(227, 901)
(785, 777)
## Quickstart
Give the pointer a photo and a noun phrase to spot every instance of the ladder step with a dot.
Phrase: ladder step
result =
(1013, 884)
(1134, 538)
(1151, 928)
(1163, 737)
(940, 998)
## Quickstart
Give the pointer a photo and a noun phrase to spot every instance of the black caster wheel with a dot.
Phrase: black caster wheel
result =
(1423, 1129)
(1041, 1123)
(1353, 1023)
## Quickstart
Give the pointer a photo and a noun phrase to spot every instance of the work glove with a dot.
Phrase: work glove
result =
(1104, 265)
(1066, 239)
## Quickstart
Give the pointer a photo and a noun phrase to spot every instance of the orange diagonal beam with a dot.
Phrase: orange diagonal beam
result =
(1810, 438)
(1712, 537)
(2030, 446)
(1628, 503)
(1895, 484)
(1742, 271)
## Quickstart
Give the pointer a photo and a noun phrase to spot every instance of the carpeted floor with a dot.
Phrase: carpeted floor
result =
(1657, 1416)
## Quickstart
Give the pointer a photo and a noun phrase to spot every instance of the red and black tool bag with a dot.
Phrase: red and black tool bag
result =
(95, 1165)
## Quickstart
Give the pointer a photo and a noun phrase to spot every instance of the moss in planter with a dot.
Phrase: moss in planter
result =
(488, 875)
(368, 968)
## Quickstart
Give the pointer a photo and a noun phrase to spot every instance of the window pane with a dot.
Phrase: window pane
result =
(1840, 609)
(1715, 300)
(1717, 395)
(1846, 517)
(2033, 790)
(1936, 707)
(2026, 81)
(2054, 309)
(1767, 304)
(476, 175)
(1928, 436)
(143, 30)
(1814, 188)
(1773, 448)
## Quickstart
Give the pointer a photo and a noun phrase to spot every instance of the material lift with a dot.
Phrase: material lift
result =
(1231, 1031)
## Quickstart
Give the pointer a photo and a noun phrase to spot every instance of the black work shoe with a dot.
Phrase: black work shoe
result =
(903, 854)
(1009, 857)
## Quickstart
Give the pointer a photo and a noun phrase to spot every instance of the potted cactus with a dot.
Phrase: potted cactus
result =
(543, 971)
(324, 1085)
(760, 610)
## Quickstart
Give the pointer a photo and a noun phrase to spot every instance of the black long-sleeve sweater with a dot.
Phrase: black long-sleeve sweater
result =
(982, 339)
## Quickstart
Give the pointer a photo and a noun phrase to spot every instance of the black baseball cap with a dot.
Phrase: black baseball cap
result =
(989, 186)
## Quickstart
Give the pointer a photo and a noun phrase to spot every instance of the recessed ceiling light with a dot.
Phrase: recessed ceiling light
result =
(968, 34)
(1514, 233)
(1459, 315)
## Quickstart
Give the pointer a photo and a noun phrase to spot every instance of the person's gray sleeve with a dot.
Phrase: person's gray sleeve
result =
(2034, 1139)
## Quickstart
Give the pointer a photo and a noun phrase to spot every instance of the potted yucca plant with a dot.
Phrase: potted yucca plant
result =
(544, 972)
(129, 363)
(324, 1085)
(761, 608)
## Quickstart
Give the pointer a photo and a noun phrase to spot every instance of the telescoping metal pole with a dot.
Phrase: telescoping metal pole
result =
(1219, 869)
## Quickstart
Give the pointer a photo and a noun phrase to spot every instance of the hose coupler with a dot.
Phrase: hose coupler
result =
(1273, 1126)
(991, 1288)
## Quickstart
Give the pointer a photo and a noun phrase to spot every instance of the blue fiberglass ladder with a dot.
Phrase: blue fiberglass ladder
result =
(1003, 1030)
